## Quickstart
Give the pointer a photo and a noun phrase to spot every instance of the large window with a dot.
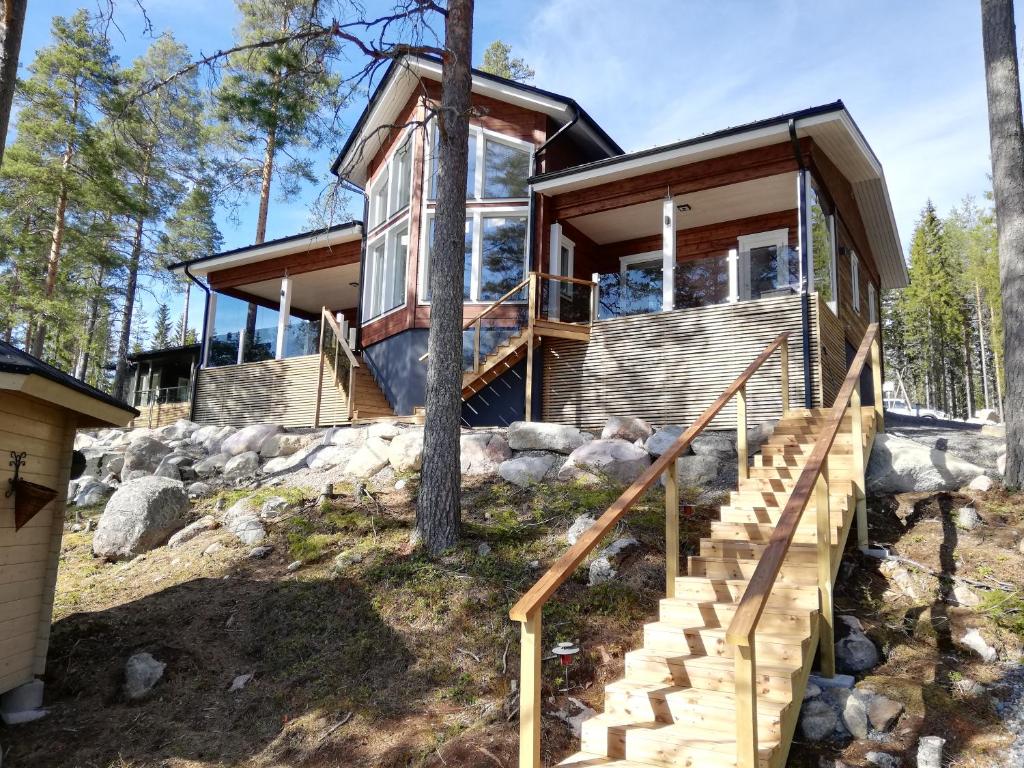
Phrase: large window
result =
(823, 243)
(498, 166)
(389, 193)
(872, 304)
(767, 265)
(702, 282)
(495, 252)
(384, 276)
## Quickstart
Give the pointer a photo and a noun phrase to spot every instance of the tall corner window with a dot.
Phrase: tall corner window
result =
(384, 276)
(872, 304)
(379, 201)
(497, 168)
(821, 222)
(467, 275)
(502, 256)
(435, 164)
(855, 281)
(402, 176)
(506, 169)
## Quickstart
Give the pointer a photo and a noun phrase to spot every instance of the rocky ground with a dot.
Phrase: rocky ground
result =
(214, 608)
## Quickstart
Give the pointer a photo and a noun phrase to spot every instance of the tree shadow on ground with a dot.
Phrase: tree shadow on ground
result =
(314, 646)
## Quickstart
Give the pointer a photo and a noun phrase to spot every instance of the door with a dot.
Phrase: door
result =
(765, 265)
(560, 294)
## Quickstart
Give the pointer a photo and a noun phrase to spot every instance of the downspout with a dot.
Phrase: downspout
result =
(202, 344)
(346, 184)
(805, 295)
(533, 172)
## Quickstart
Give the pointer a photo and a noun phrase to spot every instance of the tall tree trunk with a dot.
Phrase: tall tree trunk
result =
(125, 340)
(969, 365)
(1006, 133)
(184, 314)
(981, 344)
(10, 46)
(999, 373)
(53, 260)
(82, 368)
(438, 514)
(266, 178)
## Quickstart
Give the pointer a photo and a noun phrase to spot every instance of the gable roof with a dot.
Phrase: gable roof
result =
(398, 84)
(21, 364)
(829, 125)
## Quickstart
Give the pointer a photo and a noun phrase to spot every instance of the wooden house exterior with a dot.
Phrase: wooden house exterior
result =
(40, 410)
(597, 282)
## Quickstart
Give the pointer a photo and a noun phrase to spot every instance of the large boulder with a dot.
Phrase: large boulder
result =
(526, 470)
(345, 436)
(213, 442)
(368, 460)
(179, 430)
(242, 465)
(190, 531)
(385, 430)
(328, 456)
(720, 445)
(663, 439)
(618, 460)
(90, 492)
(482, 452)
(697, 471)
(542, 436)
(856, 653)
(176, 466)
(292, 461)
(243, 520)
(210, 466)
(141, 515)
(281, 444)
(248, 439)
(100, 461)
(899, 465)
(406, 451)
(626, 428)
(817, 720)
(145, 454)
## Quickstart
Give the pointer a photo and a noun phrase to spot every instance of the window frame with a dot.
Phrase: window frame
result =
(389, 177)
(855, 281)
(872, 303)
(374, 281)
(744, 243)
(481, 136)
(818, 189)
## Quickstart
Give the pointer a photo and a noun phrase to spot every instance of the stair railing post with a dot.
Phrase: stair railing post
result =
(741, 433)
(476, 345)
(351, 390)
(876, 380)
(671, 529)
(529, 691)
(858, 468)
(746, 703)
(784, 374)
(595, 296)
(320, 376)
(531, 314)
(826, 633)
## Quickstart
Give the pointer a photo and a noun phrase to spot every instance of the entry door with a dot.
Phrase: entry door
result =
(562, 264)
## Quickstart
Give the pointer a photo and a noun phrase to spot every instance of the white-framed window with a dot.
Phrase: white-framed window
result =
(495, 254)
(498, 169)
(389, 191)
(872, 303)
(766, 264)
(384, 275)
(821, 238)
(855, 281)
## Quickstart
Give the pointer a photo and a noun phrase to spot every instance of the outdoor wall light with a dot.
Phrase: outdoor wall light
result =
(565, 652)
(684, 208)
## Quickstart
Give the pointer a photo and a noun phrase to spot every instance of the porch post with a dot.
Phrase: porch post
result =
(283, 315)
(241, 346)
(734, 275)
(668, 254)
(211, 315)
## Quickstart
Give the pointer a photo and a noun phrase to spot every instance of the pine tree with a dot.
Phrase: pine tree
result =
(162, 329)
(498, 61)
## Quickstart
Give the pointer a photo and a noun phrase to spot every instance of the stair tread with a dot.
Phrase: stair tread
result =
(716, 699)
(712, 661)
(589, 759)
(674, 733)
(769, 636)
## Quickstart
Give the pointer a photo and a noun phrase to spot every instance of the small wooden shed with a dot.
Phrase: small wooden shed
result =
(40, 410)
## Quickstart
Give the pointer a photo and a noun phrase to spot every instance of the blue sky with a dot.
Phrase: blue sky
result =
(654, 72)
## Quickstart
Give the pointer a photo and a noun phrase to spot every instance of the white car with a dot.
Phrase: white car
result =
(900, 406)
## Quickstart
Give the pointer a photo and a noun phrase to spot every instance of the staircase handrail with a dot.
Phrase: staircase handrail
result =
(528, 611)
(342, 341)
(329, 323)
(813, 479)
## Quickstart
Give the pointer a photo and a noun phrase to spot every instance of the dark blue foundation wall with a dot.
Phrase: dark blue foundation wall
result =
(503, 400)
(402, 376)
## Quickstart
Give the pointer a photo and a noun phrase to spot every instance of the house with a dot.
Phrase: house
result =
(597, 282)
(160, 384)
(40, 410)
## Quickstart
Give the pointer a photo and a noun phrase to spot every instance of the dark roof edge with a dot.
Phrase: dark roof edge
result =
(393, 67)
(180, 349)
(24, 363)
(835, 106)
(256, 246)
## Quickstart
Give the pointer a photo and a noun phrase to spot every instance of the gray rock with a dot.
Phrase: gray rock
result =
(145, 454)
(294, 461)
(626, 428)
(405, 452)
(484, 549)
(542, 436)
(811, 691)
(883, 713)
(989, 415)
(345, 436)
(825, 683)
(385, 430)
(854, 712)
(601, 571)
(856, 653)
(294, 566)
(199, 489)
(605, 566)
(23, 704)
(480, 453)
(579, 526)
(929, 752)
(662, 440)
(242, 464)
(240, 682)
(330, 456)
(969, 688)
(975, 642)
(177, 466)
(280, 444)
(179, 430)
(883, 759)
(213, 443)
(617, 460)
(274, 507)
(696, 471)
(982, 483)
(525, 470)
(368, 460)
(965, 596)
(212, 549)
(210, 466)
(242, 519)
(758, 434)
(141, 673)
(92, 493)
(818, 721)
(967, 518)
(258, 553)
(248, 439)
(101, 460)
(192, 530)
(141, 515)
(135, 474)
(717, 444)
(899, 465)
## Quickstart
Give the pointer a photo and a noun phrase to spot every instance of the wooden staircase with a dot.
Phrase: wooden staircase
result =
(350, 374)
(498, 363)
(676, 704)
(370, 402)
(720, 678)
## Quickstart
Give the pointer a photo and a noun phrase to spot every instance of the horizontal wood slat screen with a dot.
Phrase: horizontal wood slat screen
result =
(274, 391)
(832, 367)
(159, 415)
(667, 367)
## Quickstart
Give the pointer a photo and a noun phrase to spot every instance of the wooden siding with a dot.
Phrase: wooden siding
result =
(275, 391)
(830, 364)
(668, 367)
(29, 557)
(292, 264)
(159, 415)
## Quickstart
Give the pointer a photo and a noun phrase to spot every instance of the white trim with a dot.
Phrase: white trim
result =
(481, 136)
(872, 303)
(745, 243)
(273, 250)
(668, 254)
(558, 242)
(855, 281)
(283, 315)
(638, 258)
(734, 275)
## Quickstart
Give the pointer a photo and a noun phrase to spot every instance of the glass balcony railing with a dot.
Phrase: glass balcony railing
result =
(494, 331)
(302, 337)
(154, 395)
